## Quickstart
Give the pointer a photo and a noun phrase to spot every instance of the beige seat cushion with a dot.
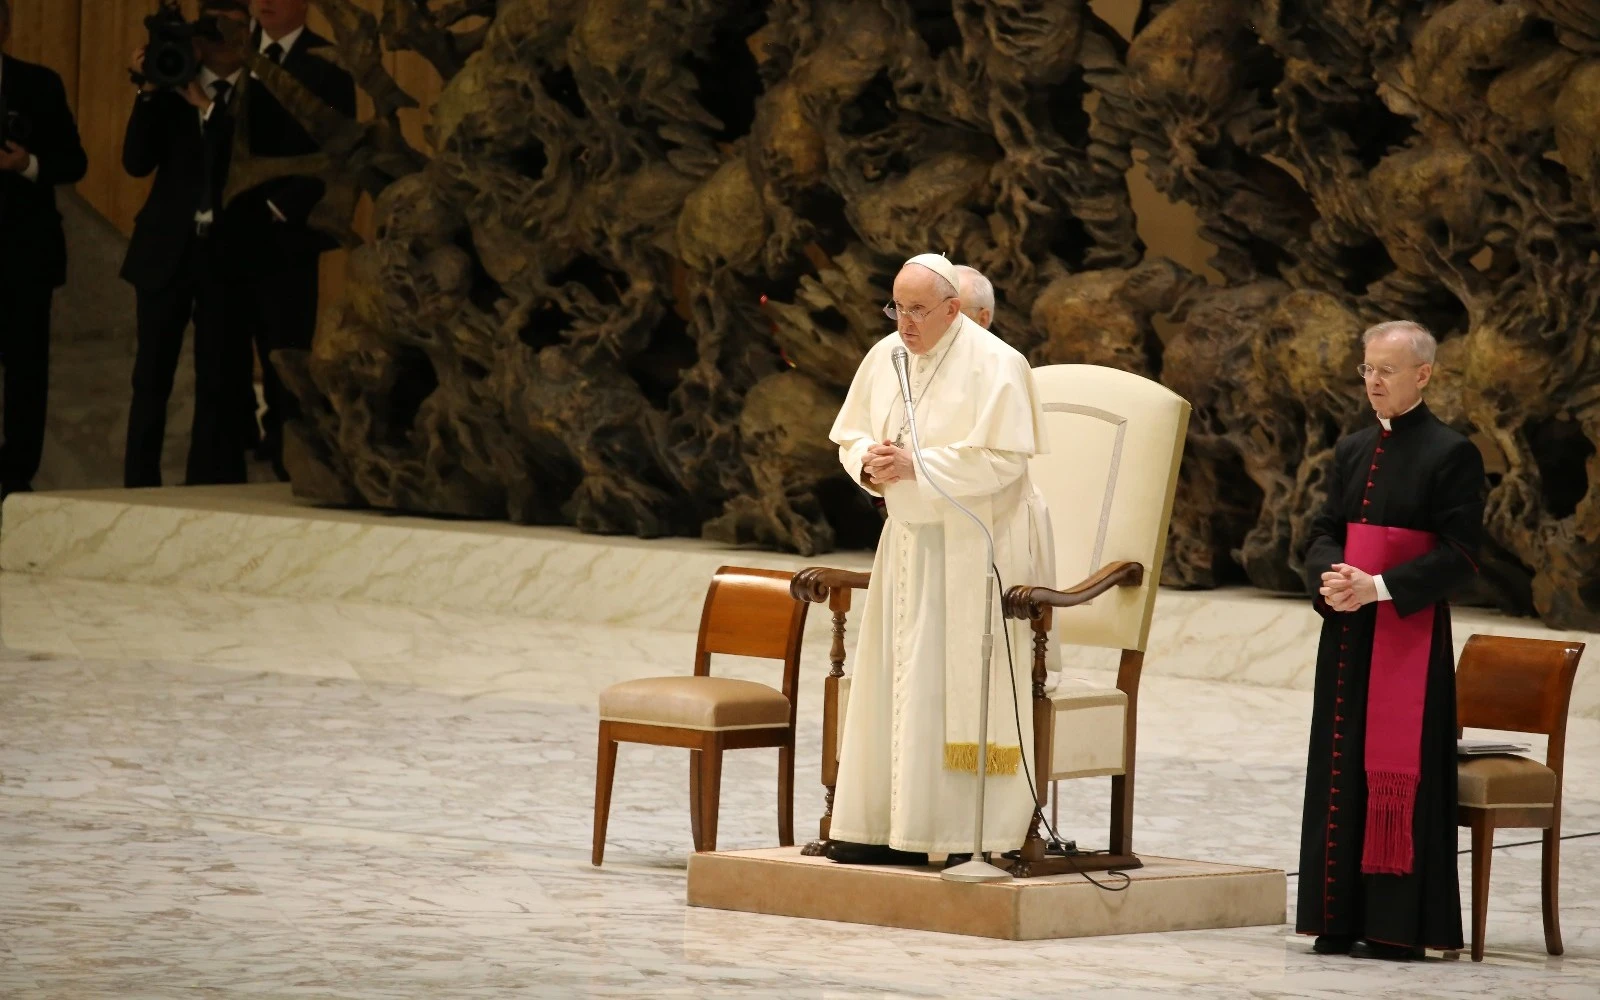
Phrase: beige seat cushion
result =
(1504, 781)
(1089, 729)
(708, 703)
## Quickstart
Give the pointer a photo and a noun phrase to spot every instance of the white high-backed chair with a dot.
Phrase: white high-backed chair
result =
(1116, 441)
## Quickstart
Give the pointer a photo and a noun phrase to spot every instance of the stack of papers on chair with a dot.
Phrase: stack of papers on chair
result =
(1474, 748)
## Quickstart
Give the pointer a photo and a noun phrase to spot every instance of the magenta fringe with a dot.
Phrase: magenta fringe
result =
(1391, 803)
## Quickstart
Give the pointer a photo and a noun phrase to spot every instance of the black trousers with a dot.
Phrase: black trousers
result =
(25, 355)
(282, 314)
(222, 374)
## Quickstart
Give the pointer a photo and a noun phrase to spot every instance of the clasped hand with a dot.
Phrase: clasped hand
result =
(1347, 588)
(886, 463)
(14, 158)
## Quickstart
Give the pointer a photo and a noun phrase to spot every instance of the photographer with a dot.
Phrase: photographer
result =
(277, 247)
(179, 262)
(39, 149)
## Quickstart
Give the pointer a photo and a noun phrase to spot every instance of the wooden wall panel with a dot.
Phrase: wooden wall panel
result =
(46, 31)
(110, 31)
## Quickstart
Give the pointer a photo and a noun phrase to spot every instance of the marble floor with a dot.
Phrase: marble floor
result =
(204, 794)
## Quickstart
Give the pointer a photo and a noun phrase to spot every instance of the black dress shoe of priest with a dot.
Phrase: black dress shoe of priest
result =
(957, 859)
(1387, 952)
(847, 853)
(1333, 944)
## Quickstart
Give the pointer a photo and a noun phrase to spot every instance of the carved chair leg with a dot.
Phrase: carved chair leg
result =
(710, 790)
(786, 794)
(605, 770)
(1550, 878)
(1482, 856)
(819, 847)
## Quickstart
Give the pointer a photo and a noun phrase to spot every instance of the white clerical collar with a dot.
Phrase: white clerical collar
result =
(286, 42)
(1385, 421)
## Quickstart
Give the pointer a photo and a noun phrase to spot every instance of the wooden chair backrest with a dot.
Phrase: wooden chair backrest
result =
(750, 612)
(1518, 685)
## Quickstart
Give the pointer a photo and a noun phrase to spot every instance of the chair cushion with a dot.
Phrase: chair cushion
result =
(1089, 728)
(1502, 781)
(709, 703)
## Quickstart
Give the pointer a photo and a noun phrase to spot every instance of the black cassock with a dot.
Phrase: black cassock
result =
(1424, 476)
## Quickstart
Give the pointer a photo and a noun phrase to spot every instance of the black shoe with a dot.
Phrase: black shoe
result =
(957, 859)
(1387, 952)
(846, 853)
(1332, 944)
(10, 488)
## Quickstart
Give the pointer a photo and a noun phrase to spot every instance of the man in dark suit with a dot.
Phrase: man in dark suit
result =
(178, 263)
(277, 248)
(42, 151)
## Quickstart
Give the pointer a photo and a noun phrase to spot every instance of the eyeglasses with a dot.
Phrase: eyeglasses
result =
(1384, 374)
(914, 314)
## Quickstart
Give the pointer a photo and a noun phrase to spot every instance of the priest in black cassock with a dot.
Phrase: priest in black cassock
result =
(1398, 534)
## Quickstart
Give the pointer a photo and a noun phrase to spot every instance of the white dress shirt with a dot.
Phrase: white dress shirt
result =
(286, 42)
(31, 171)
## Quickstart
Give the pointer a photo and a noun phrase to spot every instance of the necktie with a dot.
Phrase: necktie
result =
(274, 52)
(219, 93)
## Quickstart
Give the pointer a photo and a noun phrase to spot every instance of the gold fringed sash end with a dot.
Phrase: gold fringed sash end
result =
(964, 757)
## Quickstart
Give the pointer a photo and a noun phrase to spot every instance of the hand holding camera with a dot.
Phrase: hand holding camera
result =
(136, 69)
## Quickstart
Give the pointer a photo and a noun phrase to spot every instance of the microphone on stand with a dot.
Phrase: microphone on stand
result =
(976, 870)
(898, 356)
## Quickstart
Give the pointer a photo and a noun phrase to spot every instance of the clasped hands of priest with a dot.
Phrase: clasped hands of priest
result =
(887, 463)
(1346, 588)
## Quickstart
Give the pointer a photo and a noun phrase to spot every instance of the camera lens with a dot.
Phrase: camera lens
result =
(170, 64)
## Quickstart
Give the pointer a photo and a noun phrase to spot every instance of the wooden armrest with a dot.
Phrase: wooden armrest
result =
(816, 583)
(1023, 602)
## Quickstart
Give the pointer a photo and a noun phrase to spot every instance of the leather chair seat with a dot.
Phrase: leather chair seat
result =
(1506, 781)
(712, 704)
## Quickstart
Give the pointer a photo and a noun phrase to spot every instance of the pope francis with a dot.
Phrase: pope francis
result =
(908, 763)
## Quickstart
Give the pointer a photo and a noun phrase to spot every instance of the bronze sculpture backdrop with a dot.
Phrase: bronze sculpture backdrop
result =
(630, 288)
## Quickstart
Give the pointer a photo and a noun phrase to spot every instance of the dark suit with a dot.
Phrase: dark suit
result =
(33, 259)
(179, 274)
(281, 258)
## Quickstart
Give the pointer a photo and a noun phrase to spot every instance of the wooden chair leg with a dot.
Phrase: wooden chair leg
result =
(605, 769)
(710, 791)
(1121, 839)
(786, 794)
(1482, 856)
(1550, 878)
(696, 806)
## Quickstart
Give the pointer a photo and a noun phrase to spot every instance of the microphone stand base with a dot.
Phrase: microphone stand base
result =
(975, 871)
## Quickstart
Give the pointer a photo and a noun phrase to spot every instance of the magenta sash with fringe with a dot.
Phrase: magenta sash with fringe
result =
(1398, 682)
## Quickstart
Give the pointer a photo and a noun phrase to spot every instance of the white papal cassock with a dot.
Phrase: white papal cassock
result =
(906, 768)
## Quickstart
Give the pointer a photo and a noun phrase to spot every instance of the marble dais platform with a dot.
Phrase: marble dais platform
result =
(259, 540)
(1167, 894)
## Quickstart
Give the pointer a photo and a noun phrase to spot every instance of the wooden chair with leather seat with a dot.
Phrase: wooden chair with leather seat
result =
(1515, 685)
(748, 612)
